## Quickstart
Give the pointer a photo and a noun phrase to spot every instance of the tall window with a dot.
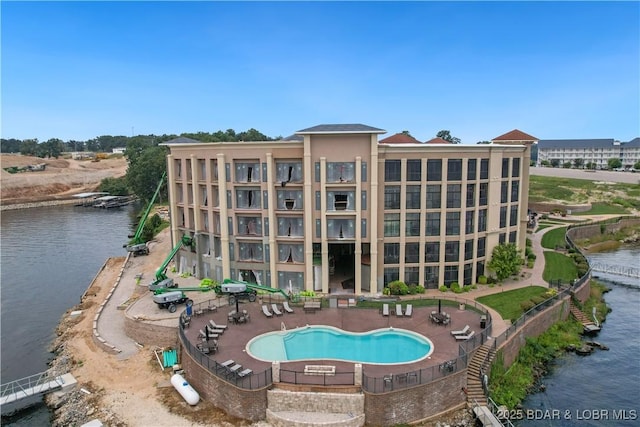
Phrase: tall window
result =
(504, 192)
(411, 275)
(483, 196)
(414, 170)
(515, 188)
(412, 253)
(512, 236)
(484, 168)
(505, 168)
(453, 195)
(392, 170)
(468, 274)
(392, 253)
(289, 172)
(391, 225)
(433, 196)
(434, 170)
(471, 195)
(293, 253)
(249, 226)
(450, 274)
(451, 251)
(248, 198)
(392, 197)
(515, 167)
(471, 169)
(454, 169)
(290, 227)
(339, 228)
(468, 222)
(453, 223)
(391, 274)
(250, 251)
(432, 252)
(248, 171)
(513, 216)
(412, 224)
(341, 171)
(482, 247)
(289, 200)
(482, 220)
(503, 216)
(341, 200)
(433, 224)
(468, 249)
(431, 276)
(413, 196)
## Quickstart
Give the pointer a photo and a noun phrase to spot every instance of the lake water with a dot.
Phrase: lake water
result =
(48, 258)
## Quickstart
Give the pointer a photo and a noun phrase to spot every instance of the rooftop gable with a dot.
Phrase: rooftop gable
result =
(340, 128)
(438, 140)
(515, 135)
(183, 140)
(399, 138)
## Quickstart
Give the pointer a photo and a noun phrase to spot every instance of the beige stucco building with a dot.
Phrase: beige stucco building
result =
(334, 208)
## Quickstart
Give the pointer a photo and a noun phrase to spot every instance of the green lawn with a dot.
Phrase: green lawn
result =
(613, 198)
(559, 267)
(602, 208)
(507, 303)
(554, 238)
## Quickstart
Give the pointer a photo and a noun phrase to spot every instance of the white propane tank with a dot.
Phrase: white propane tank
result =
(186, 391)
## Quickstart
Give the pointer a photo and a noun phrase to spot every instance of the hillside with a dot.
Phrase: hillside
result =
(61, 178)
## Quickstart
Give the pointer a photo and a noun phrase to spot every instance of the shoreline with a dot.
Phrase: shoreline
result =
(38, 204)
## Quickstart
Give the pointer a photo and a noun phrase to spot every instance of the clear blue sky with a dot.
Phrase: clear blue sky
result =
(79, 70)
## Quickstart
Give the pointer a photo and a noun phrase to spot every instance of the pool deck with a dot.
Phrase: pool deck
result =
(232, 344)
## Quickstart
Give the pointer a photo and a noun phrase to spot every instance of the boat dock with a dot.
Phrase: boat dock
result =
(33, 385)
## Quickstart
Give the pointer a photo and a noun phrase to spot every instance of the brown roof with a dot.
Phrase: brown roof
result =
(399, 138)
(437, 140)
(515, 135)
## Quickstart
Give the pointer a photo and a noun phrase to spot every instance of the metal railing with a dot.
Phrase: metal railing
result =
(299, 377)
(31, 385)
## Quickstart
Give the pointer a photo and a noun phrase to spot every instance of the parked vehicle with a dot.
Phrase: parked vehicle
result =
(170, 300)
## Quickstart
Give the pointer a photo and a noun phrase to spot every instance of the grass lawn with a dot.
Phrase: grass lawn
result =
(601, 209)
(507, 303)
(554, 238)
(559, 267)
(543, 226)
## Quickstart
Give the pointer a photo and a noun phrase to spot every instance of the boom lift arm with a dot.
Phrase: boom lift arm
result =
(161, 271)
(137, 246)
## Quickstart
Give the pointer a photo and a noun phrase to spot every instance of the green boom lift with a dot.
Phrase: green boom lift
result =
(162, 281)
(137, 246)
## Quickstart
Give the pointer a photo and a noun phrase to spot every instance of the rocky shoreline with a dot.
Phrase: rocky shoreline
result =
(44, 203)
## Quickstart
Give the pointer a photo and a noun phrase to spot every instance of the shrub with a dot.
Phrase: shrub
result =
(537, 300)
(530, 263)
(307, 294)
(482, 280)
(420, 289)
(466, 288)
(526, 305)
(443, 288)
(528, 242)
(398, 287)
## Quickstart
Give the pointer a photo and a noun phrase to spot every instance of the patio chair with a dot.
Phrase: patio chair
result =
(465, 337)
(275, 309)
(228, 363)
(214, 325)
(211, 330)
(266, 311)
(462, 331)
(286, 307)
(409, 310)
(202, 334)
(399, 310)
(385, 309)
(244, 373)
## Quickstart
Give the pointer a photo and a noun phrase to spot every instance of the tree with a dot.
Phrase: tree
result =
(114, 186)
(555, 163)
(578, 163)
(590, 165)
(483, 142)
(446, 135)
(143, 175)
(545, 163)
(29, 147)
(566, 165)
(505, 260)
(614, 163)
(637, 165)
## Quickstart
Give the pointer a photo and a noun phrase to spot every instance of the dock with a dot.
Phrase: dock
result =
(33, 385)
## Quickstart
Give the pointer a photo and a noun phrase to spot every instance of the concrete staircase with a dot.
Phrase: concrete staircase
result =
(481, 361)
(588, 325)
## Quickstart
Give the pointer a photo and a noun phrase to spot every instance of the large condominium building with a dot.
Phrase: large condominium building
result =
(591, 151)
(334, 207)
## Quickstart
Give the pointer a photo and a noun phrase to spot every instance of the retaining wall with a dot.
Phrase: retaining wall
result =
(145, 333)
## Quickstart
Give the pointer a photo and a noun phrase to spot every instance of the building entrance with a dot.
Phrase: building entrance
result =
(343, 278)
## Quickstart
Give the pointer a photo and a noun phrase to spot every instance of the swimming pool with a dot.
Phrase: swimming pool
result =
(380, 346)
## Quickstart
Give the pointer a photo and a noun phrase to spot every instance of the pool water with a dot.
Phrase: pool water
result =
(381, 346)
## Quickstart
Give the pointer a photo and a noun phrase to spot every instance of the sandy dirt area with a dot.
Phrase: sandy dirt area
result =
(60, 179)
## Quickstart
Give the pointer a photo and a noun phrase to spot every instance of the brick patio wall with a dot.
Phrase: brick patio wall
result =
(149, 334)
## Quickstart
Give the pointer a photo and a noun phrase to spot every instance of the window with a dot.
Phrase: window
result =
(392, 170)
(247, 198)
(392, 253)
(214, 169)
(341, 172)
(482, 198)
(414, 170)
(468, 274)
(434, 170)
(433, 196)
(432, 252)
(433, 224)
(482, 247)
(503, 216)
(468, 222)
(515, 189)
(431, 276)
(502, 238)
(453, 195)
(338, 228)
(249, 226)
(454, 169)
(450, 274)
(392, 197)
(412, 253)
(468, 249)
(484, 169)
(291, 253)
(290, 227)
(248, 172)
(250, 251)
(341, 200)
(451, 251)
(391, 225)
(505, 168)
(513, 217)
(504, 192)
(391, 274)
(471, 169)
(512, 236)
(412, 224)
(413, 196)
(288, 172)
(453, 223)
(471, 195)
(482, 220)
(289, 200)
(411, 275)
(515, 167)
(479, 268)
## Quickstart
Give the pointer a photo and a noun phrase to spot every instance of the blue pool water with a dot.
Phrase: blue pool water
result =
(381, 346)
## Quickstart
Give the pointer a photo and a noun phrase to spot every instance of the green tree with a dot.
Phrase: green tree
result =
(50, 148)
(29, 147)
(614, 163)
(555, 163)
(446, 135)
(637, 165)
(566, 165)
(114, 186)
(483, 142)
(590, 165)
(578, 163)
(143, 175)
(505, 260)
(545, 163)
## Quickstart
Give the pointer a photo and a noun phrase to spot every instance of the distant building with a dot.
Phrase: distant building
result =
(118, 150)
(83, 155)
(333, 207)
(596, 151)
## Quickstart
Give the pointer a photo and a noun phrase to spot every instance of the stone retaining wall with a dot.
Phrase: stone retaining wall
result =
(588, 231)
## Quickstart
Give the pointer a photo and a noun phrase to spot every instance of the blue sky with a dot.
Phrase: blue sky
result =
(78, 70)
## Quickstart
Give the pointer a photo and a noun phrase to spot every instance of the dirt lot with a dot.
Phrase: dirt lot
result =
(60, 179)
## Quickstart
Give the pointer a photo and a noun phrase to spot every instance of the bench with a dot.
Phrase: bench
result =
(312, 306)
(319, 370)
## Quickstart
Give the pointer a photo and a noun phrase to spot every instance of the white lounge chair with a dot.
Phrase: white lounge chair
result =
(214, 325)
(213, 330)
(399, 310)
(409, 310)
(202, 334)
(465, 337)
(286, 307)
(385, 309)
(462, 331)
(275, 309)
(266, 311)
(244, 373)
